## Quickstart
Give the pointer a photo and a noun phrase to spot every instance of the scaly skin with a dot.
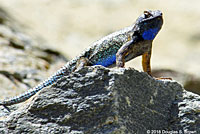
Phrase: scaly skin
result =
(112, 50)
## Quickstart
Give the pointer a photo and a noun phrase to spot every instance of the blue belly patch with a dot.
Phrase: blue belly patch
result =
(106, 61)
(150, 34)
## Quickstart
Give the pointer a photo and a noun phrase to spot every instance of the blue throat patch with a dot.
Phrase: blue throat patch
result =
(150, 34)
(107, 61)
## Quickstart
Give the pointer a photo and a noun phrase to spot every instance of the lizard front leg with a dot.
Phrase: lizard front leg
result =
(146, 59)
(122, 52)
(127, 49)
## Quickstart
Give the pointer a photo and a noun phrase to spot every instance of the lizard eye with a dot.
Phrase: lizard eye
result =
(147, 14)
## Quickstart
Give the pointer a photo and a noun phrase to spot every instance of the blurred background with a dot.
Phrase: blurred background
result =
(70, 26)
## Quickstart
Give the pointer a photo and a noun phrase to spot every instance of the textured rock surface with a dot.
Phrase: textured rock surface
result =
(24, 61)
(99, 100)
(190, 82)
(186, 113)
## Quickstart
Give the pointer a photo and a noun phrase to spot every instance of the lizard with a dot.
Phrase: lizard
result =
(112, 50)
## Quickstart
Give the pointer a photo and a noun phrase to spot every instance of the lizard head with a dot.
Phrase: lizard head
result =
(149, 24)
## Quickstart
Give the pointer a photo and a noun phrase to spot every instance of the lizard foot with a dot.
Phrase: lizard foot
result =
(163, 78)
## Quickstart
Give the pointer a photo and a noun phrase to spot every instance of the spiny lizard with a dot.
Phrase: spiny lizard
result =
(112, 50)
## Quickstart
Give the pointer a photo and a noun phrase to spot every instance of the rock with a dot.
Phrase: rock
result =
(24, 61)
(186, 113)
(98, 100)
(190, 82)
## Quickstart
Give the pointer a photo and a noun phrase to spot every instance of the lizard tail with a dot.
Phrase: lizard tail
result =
(25, 96)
